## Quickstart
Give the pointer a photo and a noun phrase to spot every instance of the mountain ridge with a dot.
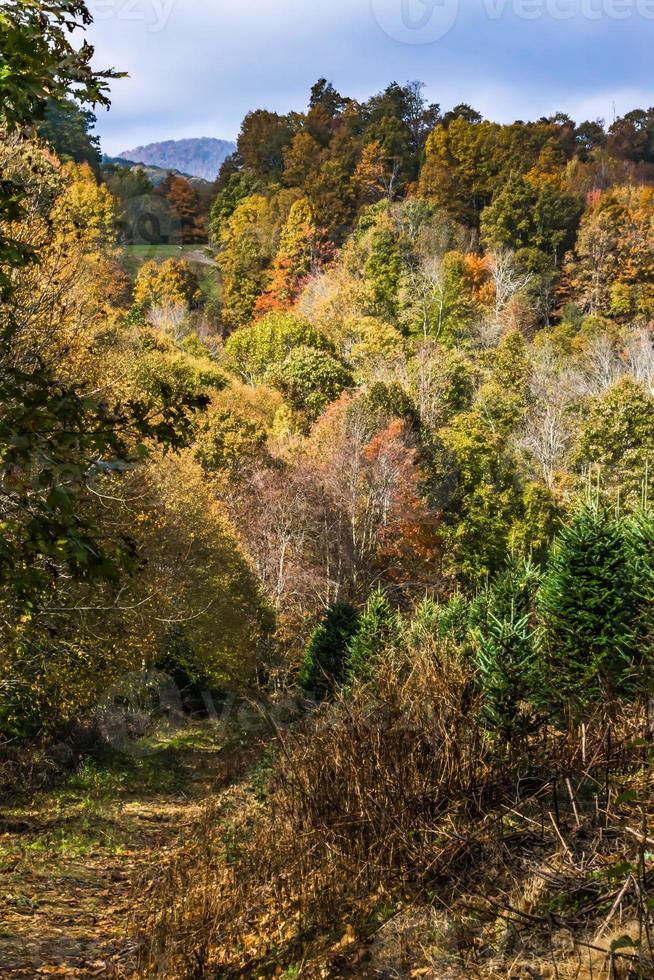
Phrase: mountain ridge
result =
(200, 157)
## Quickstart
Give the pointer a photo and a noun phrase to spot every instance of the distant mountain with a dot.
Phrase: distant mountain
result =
(198, 157)
(156, 175)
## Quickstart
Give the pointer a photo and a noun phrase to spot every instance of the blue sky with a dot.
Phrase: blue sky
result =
(197, 66)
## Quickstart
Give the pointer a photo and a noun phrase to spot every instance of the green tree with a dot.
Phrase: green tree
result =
(460, 163)
(502, 639)
(264, 136)
(398, 120)
(243, 260)
(252, 352)
(382, 272)
(325, 659)
(237, 187)
(453, 619)
(330, 193)
(489, 509)
(616, 436)
(378, 630)
(586, 607)
(523, 215)
(505, 656)
(309, 379)
(126, 182)
(67, 128)
(453, 308)
(468, 161)
(384, 401)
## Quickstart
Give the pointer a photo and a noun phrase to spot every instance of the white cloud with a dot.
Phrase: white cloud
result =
(197, 66)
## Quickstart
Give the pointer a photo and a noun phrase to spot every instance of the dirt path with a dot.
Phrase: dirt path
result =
(200, 258)
(71, 857)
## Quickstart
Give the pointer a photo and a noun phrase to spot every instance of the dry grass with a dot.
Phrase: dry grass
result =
(392, 805)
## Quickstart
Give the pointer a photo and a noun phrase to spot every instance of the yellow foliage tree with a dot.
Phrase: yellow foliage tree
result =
(167, 283)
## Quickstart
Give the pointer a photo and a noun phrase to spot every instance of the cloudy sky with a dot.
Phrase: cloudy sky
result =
(197, 66)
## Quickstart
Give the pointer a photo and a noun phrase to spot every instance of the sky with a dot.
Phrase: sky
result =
(197, 66)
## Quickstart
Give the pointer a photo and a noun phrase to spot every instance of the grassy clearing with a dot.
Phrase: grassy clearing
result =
(200, 260)
(160, 252)
(69, 855)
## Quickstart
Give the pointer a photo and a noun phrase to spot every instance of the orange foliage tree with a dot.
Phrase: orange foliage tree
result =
(301, 250)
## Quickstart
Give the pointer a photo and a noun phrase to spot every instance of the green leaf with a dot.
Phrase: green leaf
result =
(626, 797)
(623, 942)
(619, 870)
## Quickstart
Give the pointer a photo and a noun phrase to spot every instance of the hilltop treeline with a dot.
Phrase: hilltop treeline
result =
(522, 187)
(470, 300)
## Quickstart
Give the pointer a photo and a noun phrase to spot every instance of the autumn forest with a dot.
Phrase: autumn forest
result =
(327, 538)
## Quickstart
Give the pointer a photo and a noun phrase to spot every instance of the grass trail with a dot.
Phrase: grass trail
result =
(70, 857)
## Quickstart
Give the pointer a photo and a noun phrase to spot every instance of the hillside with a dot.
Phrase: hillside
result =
(196, 157)
(156, 175)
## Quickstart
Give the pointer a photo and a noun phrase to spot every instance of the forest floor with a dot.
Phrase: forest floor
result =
(71, 857)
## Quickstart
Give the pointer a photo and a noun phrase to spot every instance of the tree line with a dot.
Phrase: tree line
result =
(425, 339)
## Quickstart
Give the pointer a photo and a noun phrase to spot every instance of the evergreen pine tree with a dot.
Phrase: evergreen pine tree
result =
(512, 594)
(324, 664)
(424, 622)
(501, 636)
(504, 653)
(640, 544)
(454, 619)
(586, 606)
(383, 270)
(379, 628)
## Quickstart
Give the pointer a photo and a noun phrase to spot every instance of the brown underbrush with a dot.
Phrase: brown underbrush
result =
(391, 836)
